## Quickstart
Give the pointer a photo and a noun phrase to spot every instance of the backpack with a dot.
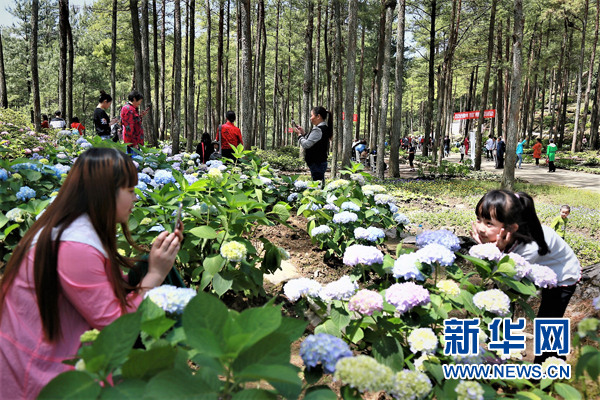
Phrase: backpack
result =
(114, 132)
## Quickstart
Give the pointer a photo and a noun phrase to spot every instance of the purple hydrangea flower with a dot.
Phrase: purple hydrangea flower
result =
(320, 230)
(370, 234)
(442, 236)
(365, 255)
(366, 302)
(436, 253)
(325, 349)
(542, 276)
(486, 251)
(522, 266)
(342, 289)
(405, 296)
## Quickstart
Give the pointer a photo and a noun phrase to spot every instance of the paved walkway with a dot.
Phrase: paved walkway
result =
(529, 173)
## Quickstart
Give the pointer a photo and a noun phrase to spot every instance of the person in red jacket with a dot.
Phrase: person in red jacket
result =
(231, 136)
(131, 120)
(75, 124)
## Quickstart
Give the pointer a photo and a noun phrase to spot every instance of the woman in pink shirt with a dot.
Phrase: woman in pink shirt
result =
(64, 276)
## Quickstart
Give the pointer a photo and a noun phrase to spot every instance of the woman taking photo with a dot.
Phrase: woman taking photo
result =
(316, 143)
(131, 119)
(64, 276)
(101, 120)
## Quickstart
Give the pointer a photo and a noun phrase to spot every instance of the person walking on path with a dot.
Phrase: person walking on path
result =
(551, 153)
(493, 151)
(229, 135)
(466, 142)
(489, 145)
(316, 143)
(102, 123)
(131, 119)
(57, 122)
(461, 149)
(411, 156)
(520, 153)
(537, 152)
(500, 150)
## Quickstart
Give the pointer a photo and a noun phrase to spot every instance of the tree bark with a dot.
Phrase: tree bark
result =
(176, 123)
(486, 85)
(219, 87)
(337, 91)
(262, 116)
(70, 61)
(376, 99)
(558, 88)
(163, 67)
(350, 82)
(191, 126)
(137, 47)
(389, 6)
(113, 60)
(276, 132)
(63, 18)
(360, 82)
(431, 85)
(246, 67)
(399, 86)
(33, 54)
(208, 112)
(149, 131)
(317, 99)
(576, 143)
(307, 87)
(500, 91)
(590, 72)
(156, 104)
(3, 92)
(508, 177)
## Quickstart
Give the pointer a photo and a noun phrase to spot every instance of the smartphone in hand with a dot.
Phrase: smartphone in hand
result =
(177, 218)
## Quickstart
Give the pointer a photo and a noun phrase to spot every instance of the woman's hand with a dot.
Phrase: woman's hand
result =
(299, 130)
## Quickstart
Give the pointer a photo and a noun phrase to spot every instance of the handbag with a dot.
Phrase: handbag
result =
(114, 132)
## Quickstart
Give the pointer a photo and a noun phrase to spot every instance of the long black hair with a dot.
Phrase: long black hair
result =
(514, 208)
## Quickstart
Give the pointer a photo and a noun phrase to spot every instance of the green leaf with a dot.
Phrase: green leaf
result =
(468, 302)
(313, 375)
(271, 350)
(340, 317)
(145, 364)
(221, 285)
(349, 393)
(388, 351)
(258, 323)
(293, 328)
(254, 394)
(436, 371)
(328, 327)
(154, 320)
(527, 396)
(320, 393)
(176, 385)
(3, 220)
(203, 320)
(10, 229)
(71, 385)
(567, 391)
(506, 268)
(31, 174)
(593, 366)
(282, 211)
(356, 335)
(114, 342)
(272, 259)
(204, 232)
(271, 373)
(129, 389)
(527, 308)
(477, 262)
(544, 383)
(213, 264)
(587, 353)
(525, 287)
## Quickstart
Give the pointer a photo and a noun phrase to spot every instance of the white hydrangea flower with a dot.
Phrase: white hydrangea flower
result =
(233, 251)
(296, 288)
(170, 298)
(342, 289)
(423, 339)
(494, 301)
(469, 390)
(449, 287)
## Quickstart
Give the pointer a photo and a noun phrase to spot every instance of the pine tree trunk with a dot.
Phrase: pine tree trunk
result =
(431, 76)
(113, 60)
(557, 89)
(337, 92)
(389, 6)
(163, 66)
(276, 132)
(156, 105)
(63, 18)
(317, 84)
(376, 99)
(500, 91)
(308, 68)
(208, 111)
(576, 143)
(3, 92)
(176, 124)
(262, 116)
(219, 87)
(486, 84)
(191, 112)
(590, 72)
(350, 82)
(508, 177)
(70, 61)
(360, 83)
(246, 67)
(565, 93)
(399, 86)
(149, 131)
(33, 54)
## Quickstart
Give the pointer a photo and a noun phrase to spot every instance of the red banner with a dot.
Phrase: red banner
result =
(474, 115)
(354, 117)
(290, 130)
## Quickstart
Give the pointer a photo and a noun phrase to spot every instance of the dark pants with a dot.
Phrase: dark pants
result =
(500, 161)
(228, 153)
(317, 171)
(462, 157)
(551, 166)
(410, 160)
(554, 304)
(537, 161)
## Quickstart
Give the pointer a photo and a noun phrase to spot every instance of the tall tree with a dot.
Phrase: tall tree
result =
(156, 70)
(431, 75)
(209, 126)
(176, 124)
(35, 82)
(376, 97)
(307, 87)
(261, 89)
(246, 75)
(350, 81)
(486, 85)
(3, 92)
(191, 126)
(150, 132)
(390, 6)
(337, 89)
(500, 91)
(70, 61)
(163, 66)
(360, 82)
(590, 71)
(276, 132)
(508, 177)
(576, 143)
(137, 47)
(63, 10)
(219, 86)
(399, 86)
(113, 59)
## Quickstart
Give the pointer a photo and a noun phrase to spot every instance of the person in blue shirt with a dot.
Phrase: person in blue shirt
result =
(520, 153)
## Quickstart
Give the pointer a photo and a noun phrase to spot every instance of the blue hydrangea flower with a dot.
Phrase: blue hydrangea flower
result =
(393, 207)
(401, 219)
(320, 230)
(371, 234)
(142, 186)
(214, 163)
(434, 252)
(25, 193)
(162, 177)
(157, 228)
(86, 145)
(147, 171)
(26, 165)
(3, 174)
(138, 158)
(300, 185)
(36, 156)
(143, 177)
(190, 178)
(444, 237)
(170, 298)
(325, 349)
(60, 169)
(365, 255)
(331, 207)
(313, 207)
(350, 206)
(292, 197)
(344, 217)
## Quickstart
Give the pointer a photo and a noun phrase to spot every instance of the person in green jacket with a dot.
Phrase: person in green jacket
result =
(559, 224)
(551, 153)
